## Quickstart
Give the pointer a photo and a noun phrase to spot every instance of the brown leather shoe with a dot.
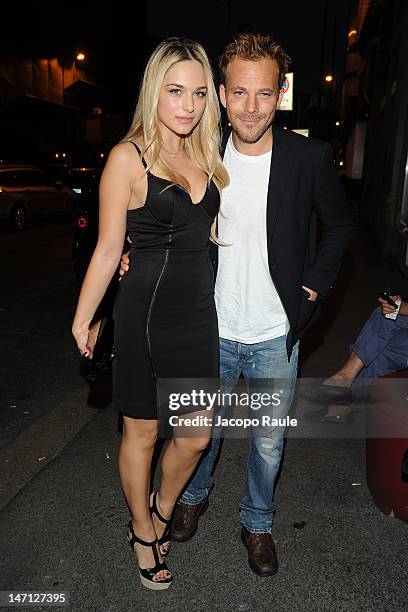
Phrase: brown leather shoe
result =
(185, 520)
(262, 557)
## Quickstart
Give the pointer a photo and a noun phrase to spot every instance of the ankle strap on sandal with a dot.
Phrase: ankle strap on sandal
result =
(152, 545)
(157, 513)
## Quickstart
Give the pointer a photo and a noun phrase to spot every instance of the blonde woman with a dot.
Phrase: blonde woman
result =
(161, 185)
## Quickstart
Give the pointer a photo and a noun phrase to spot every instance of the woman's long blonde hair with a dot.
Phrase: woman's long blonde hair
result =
(202, 145)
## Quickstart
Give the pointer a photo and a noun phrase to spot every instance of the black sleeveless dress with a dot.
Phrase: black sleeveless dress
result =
(164, 312)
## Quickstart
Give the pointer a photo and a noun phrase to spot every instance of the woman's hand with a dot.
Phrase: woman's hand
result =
(83, 337)
(86, 338)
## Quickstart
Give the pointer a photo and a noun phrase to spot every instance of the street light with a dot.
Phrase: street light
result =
(78, 58)
(328, 78)
(337, 123)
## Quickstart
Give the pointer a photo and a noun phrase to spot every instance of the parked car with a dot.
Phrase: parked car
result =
(85, 183)
(26, 193)
(12, 210)
(79, 179)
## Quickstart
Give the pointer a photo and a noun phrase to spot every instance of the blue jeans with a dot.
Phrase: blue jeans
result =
(382, 346)
(264, 360)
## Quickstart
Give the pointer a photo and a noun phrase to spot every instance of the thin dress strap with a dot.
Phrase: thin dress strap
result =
(139, 151)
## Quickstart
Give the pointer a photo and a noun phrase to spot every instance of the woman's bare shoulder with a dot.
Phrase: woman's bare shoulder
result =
(126, 154)
(125, 151)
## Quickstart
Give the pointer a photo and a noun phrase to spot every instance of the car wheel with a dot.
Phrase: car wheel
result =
(18, 217)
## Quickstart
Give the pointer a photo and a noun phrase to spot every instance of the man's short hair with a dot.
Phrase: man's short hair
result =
(254, 47)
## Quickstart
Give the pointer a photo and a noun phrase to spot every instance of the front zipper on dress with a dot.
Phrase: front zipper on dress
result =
(166, 258)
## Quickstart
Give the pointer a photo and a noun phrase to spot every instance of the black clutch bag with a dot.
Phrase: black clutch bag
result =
(103, 353)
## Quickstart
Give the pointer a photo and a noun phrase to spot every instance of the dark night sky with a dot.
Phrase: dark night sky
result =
(297, 24)
(118, 39)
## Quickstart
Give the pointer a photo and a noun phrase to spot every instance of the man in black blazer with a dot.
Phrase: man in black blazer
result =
(272, 276)
(303, 189)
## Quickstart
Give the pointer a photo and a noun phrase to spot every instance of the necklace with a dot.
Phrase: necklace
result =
(171, 154)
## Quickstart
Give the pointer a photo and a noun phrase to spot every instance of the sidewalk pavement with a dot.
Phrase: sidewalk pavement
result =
(66, 529)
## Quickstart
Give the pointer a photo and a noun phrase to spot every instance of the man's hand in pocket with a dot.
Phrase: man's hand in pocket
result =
(312, 294)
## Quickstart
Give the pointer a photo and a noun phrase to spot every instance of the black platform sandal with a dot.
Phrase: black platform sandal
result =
(164, 541)
(147, 574)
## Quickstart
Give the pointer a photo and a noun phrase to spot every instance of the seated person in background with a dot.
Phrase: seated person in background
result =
(380, 348)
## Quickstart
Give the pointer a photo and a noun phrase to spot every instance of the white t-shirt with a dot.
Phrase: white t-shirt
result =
(248, 305)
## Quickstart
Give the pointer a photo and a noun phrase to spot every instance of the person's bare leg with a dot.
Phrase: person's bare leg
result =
(344, 378)
(135, 460)
(335, 410)
(347, 373)
(179, 461)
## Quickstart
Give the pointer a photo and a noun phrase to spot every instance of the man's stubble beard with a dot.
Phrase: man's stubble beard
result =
(250, 138)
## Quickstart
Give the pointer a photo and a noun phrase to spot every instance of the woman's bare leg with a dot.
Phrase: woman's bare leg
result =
(135, 461)
(179, 461)
(347, 373)
(335, 410)
(344, 378)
